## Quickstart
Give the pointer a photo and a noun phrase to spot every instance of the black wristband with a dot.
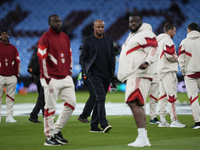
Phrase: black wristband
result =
(146, 63)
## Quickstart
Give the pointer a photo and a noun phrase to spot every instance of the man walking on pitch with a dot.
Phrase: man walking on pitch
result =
(98, 65)
(55, 59)
(136, 70)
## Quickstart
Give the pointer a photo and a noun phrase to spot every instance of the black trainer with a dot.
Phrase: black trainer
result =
(60, 138)
(52, 142)
(107, 129)
(34, 120)
(96, 130)
(154, 121)
(84, 120)
(196, 125)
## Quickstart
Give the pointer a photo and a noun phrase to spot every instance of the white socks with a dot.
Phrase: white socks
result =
(162, 118)
(56, 132)
(142, 132)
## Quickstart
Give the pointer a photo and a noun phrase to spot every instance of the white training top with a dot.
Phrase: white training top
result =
(138, 48)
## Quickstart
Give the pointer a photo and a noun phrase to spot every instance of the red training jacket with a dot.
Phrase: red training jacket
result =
(9, 60)
(54, 55)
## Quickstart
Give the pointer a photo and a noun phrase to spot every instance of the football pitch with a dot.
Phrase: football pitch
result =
(25, 135)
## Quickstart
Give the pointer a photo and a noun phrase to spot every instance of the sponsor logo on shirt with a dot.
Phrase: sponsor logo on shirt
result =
(6, 61)
(62, 58)
(175, 81)
(51, 90)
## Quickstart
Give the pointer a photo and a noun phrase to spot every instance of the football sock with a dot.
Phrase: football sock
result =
(142, 132)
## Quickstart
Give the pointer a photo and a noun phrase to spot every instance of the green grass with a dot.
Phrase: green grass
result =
(25, 135)
(82, 96)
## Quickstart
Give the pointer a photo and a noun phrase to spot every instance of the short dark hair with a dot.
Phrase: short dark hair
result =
(136, 14)
(49, 19)
(168, 26)
(3, 30)
(193, 26)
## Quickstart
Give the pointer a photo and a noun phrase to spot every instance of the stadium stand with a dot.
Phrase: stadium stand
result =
(27, 20)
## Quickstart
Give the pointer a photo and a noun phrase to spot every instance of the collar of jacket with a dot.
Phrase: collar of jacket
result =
(4, 43)
(52, 31)
(193, 34)
(97, 38)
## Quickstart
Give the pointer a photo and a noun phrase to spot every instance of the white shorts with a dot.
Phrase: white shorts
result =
(137, 88)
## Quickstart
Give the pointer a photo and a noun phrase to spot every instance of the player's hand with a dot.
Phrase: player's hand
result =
(113, 86)
(32, 78)
(124, 82)
(175, 56)
(143, 66)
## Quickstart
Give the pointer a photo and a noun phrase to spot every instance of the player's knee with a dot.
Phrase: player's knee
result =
(71, 105)
(135, 103)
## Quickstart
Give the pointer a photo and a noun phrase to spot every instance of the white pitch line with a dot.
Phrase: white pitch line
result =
(111, 109)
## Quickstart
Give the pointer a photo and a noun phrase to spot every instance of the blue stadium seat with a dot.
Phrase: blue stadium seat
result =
(109, 11)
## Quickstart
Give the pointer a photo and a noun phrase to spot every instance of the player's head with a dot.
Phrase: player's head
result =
(98, 27)
(4, 35)
(55, 23)
(135, 21)
(192, 26)
(170, 29)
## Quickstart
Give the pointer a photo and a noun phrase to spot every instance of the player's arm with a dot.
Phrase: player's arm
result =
(182, 58)
(152, 53)
(71, 60)
(17, 64)
(151, 58)
(84, 56)
(42, 56)
(113, 58)
(144, 65)
(169, 51)
(150, 45)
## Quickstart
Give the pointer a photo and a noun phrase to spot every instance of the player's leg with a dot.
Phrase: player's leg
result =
(153, 97)
(2, 81)
(106, 129)
(89, 104)
(170, 83)
(51, 91)
(135, 96)
(10, 86)
(162, 105)
(67, 96)
(39, 104)
(99, 113)
(138, 113)
(192, 86)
